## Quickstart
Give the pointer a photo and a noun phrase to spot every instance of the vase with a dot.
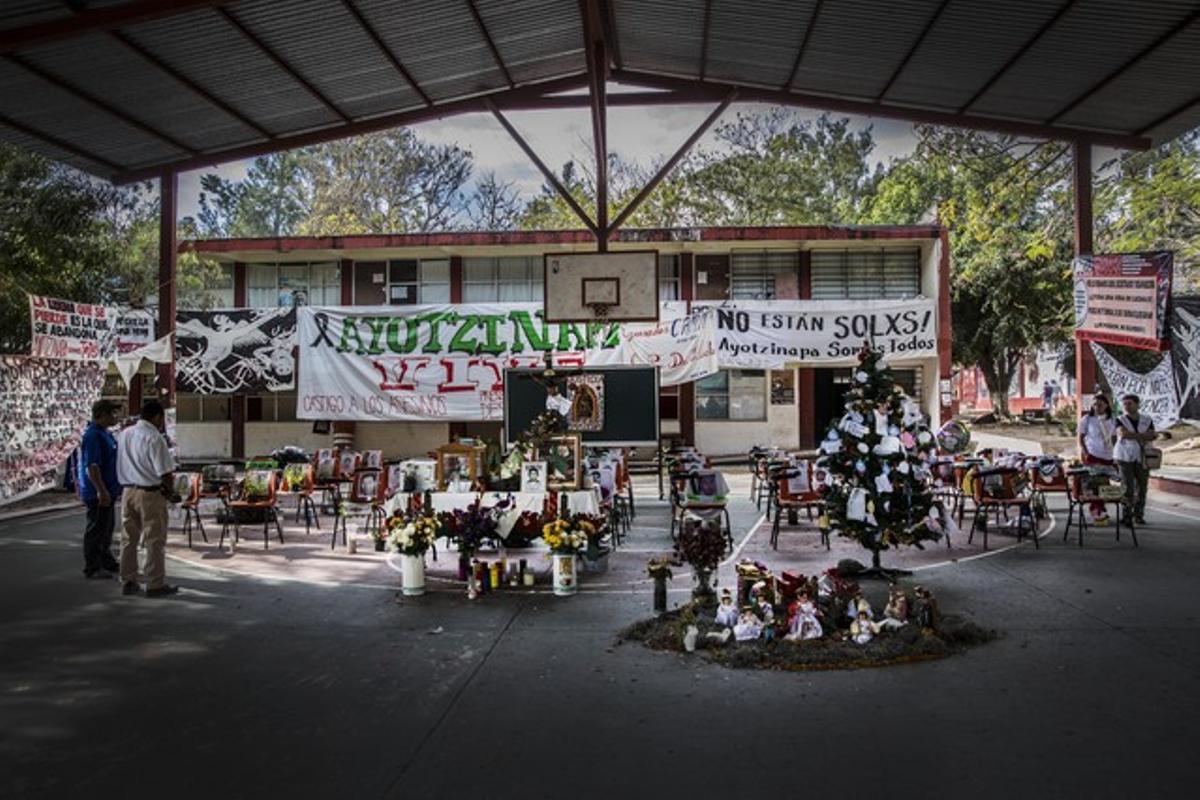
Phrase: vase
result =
(703, 587)
(464, 566)
(660, 594)
(564, 574)
(412, 574)
(379, 543)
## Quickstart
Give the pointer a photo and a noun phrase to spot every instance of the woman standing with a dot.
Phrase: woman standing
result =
(1097, 430)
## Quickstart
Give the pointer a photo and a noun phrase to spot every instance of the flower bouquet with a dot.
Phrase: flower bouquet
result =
(702, 545)
(470, 528)
(411, 537)
(565, 540)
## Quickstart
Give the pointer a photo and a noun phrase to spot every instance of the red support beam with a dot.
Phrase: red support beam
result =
(278, 60)
(1121, 70)
(547, 173)
(386, 51)
(167, 254)
(99, 19)
(191, 85)
(103, 105)
(808, 29)
(945, 331)
(666, 168)
(806, 411)
(1085, 362)
(1170, 115)
(614, 42)
(346, 274)
(1017, 56)
(704, 38)
(456, 279)
(487, 37)
(57, 142)
(687, 391)
(597, 66)
(912, 51)
(707, 90)
(525, 97)
(240, 285)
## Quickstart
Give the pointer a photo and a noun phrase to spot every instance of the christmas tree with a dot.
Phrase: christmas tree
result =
(881, 494)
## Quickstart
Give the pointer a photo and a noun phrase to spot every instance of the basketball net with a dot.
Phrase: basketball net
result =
(599, 310)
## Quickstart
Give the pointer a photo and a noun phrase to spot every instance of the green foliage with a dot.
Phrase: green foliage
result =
(896, 517)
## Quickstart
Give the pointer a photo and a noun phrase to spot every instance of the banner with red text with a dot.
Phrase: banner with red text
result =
(72, 331)
(447, 362)
(1121, 298)
(44, 406)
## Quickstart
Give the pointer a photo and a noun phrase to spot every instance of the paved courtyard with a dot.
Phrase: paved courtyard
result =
(299, 671)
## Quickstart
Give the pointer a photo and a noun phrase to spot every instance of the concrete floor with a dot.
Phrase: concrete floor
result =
(253, 687)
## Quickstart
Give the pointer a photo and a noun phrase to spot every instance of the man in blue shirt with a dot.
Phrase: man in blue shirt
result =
(100, 490)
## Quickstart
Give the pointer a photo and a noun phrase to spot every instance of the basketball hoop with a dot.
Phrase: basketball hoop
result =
(600, 310)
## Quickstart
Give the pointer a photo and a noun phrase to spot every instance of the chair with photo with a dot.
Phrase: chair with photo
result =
(795, 491)
(1094, 485)
(367, 501)
(997, 490)
(258, 493)
(325, 470)
(188, 485)
(706, 496)
(299, 481)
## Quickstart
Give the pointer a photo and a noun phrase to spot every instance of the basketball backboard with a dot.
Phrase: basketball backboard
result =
(583, 287)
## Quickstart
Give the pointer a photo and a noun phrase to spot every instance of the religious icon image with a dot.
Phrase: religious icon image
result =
(586, 402)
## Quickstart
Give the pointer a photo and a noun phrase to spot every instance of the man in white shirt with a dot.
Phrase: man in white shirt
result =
(145, 469)
(1133, 432)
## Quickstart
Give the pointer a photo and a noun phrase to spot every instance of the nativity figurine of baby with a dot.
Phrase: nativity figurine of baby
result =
(895, 614)
(748, 627)
(863, 630)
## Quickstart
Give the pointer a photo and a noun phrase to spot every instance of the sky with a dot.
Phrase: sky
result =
(637, 133)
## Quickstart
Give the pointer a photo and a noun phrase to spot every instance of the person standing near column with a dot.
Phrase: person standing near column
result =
(1133, 431)
(145, 469)
(1096, 433)
(99, 490)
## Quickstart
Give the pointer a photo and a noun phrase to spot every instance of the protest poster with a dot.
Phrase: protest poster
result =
(72, 331)
(1121, 298)
(759, 334)
(44, 406)
(1155, 389)
(447, 362)
(135, 329)
(235, 351)
(1185, 354)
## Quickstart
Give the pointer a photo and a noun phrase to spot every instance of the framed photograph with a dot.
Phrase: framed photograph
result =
(563, 461)
(533, 477)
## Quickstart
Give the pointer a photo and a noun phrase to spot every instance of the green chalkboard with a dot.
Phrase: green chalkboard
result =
(630, 416)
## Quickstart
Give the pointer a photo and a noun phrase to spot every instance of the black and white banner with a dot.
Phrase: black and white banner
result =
(1185, 354)
(235, 351)
(44, 406)
(1155, 389)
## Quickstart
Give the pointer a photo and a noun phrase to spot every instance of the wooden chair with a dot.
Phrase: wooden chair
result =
(368, 496)
(1044, 481)
(325, 473)
(995, 490)
(188, 484)
(1080, 496)
(299, 480)
(259, 492)
(790, 497)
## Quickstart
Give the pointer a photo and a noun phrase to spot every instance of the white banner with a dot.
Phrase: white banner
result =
(447, 362)
(71, 331)
(765, 334)
(135, 329)
(1156, 391)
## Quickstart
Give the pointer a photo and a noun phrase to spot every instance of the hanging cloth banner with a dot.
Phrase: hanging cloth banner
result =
(71, 331)
(235, 351)
(44, 406)
(447, 362)
(158, 351)
(1185, 354)
(1155, 389)
(135, 329)
(1121, 298)
(769, 334)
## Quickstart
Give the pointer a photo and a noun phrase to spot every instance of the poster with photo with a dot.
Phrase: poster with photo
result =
(533, 477)
(586, 395)
(235, 351)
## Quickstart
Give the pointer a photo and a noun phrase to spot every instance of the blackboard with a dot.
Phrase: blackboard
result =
(630, 404)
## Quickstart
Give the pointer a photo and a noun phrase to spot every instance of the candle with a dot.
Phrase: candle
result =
(495, 576)
(529, 578)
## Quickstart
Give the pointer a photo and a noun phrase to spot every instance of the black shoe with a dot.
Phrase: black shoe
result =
(162, 591)
(130, 587)
(98, 574)
(1140, 520)
(113, 567)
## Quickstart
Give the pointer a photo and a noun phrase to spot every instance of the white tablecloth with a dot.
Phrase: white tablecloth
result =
(586, 501)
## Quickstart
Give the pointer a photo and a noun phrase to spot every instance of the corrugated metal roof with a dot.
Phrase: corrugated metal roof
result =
(218, 80)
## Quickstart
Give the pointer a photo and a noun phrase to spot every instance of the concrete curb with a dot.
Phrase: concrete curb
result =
(29, 512)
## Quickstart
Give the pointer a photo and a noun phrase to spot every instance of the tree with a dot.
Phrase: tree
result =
(495, 205)
(389, 182)
(879, 497)
(272, 200)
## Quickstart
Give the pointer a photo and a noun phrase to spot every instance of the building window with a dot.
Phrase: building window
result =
(271, 408)
(783, 387)
(293, 284)
(735, 394)
(202, 408)
(668, 278)
(866, 274)
(764, 275)
(510, 279)
(411, 281)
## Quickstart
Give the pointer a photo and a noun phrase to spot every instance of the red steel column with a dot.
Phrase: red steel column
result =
(456, 279)
(1085, 362)
(237, 403)
(945, 335)
(343, 432)
(167, 244)
(687, 391)
(806, 377)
